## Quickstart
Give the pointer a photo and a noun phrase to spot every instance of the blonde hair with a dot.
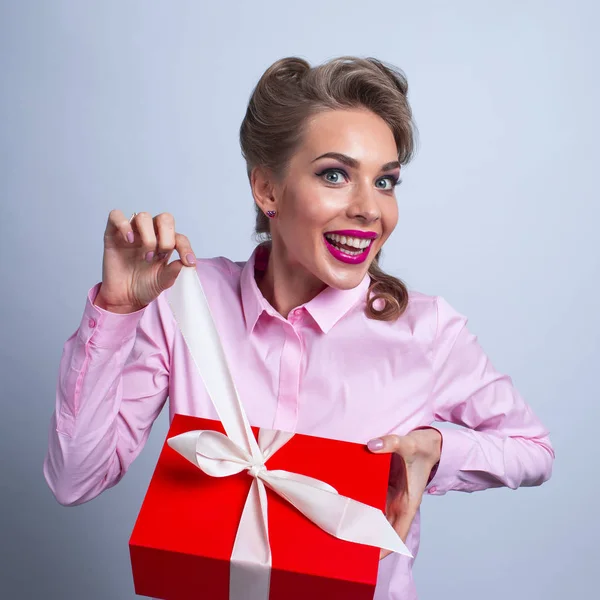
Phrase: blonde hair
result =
(290, 92)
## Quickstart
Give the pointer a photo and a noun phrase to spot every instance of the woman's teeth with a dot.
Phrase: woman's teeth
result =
(351, 242)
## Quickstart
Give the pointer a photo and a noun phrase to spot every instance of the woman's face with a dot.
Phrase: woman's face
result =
(334, 213)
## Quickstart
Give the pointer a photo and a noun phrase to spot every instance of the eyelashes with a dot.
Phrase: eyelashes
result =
(396, 181)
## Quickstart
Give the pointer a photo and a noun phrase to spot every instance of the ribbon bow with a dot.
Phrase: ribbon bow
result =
(221, 455)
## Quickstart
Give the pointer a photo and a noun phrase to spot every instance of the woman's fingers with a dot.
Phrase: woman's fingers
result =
(156, 235)
(403, 445)
(169, 274)
(118, 222)
(143, 226)
(164, 228)
(184, 249)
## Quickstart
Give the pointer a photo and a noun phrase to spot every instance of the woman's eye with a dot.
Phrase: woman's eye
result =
(392, 180)
(336, 173)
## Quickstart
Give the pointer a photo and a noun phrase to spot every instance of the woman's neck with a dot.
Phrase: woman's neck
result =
(286, 285)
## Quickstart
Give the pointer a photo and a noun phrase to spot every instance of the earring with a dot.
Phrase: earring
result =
(270, 214)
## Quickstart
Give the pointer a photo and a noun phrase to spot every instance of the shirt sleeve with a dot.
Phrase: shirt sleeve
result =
(113, 382)
(501, 441)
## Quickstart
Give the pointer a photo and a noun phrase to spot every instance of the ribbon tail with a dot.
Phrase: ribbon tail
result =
(192, 313)
(250, 569)
(342, 517)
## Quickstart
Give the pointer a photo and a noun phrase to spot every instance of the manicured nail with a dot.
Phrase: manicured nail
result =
(130, 237)
(162, 255)
(375, 444)
(190, 258)
(150, 256)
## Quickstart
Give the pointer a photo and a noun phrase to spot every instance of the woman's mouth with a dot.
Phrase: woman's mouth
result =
(348, 249)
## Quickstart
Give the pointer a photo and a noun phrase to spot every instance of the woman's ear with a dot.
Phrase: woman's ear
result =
(262, 182)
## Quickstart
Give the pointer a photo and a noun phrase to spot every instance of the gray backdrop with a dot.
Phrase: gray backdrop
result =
(137, 105)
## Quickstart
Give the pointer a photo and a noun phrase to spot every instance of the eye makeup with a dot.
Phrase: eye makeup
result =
(395, 180)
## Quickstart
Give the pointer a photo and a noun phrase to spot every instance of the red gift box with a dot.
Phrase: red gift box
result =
(182, 541)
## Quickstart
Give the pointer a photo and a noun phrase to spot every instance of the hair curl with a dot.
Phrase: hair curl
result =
(290, 92)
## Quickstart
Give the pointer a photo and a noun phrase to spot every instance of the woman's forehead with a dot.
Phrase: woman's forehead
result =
(360, 134)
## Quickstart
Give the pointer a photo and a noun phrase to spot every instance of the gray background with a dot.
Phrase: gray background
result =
(136, 105)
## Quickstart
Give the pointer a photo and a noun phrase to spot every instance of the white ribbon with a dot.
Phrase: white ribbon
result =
(221, 455)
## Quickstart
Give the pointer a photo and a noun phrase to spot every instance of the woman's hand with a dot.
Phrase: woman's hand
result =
(135, 267)
(415, 454)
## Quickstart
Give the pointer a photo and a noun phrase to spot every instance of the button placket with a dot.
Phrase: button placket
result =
(295, 315)
(286, 416)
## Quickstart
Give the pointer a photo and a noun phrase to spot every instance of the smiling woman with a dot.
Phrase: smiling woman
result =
(319, 339)
(351, 119)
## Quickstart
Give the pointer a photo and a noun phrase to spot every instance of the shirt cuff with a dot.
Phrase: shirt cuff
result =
(103, 328)
(456, 450)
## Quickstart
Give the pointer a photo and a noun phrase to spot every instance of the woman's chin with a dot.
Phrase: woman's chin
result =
(344, 278)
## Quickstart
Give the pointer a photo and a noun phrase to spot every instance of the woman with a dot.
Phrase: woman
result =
(328, 343)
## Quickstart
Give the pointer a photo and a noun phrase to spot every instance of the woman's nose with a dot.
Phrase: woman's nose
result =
(364, 206)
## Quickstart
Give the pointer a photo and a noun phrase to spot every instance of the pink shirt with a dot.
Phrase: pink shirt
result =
(327, 370)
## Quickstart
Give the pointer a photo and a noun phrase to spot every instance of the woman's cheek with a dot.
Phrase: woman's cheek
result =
(390, 220)
(330, 204)
(319, 209)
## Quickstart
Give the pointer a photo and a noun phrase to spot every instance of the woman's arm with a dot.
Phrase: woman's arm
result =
(113, 382)
(502, 443)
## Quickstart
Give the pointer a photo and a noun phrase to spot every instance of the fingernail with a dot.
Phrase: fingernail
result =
(150, 256)
(162, 255)
(130, 237)
(190, 258)
(375, 444)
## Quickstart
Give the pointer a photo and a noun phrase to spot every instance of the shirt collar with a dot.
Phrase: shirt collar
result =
(327, 308)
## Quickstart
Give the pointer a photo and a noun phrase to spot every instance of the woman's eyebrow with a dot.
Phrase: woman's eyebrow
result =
(353, 163)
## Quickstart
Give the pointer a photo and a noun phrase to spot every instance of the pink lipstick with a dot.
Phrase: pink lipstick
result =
(353, 256)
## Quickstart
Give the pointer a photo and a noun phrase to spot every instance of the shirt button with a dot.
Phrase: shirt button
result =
(432, 490)
(92, 323)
